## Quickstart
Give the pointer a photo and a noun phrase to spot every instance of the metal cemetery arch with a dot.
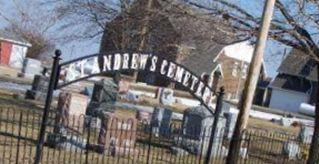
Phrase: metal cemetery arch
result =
(118, 61)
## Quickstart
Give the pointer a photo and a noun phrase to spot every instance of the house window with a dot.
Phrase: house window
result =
(235, 69)
(244, 71)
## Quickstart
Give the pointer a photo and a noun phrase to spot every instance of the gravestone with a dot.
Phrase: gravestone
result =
(39, 88)
(197, 124)
(285, 121)
(118, 135)
(178, 151)
(305, 134)
(231, 119)
(104, 96)
(69, 121)
(160, 122)
(225, 108)
(66, 142)
(71, 111)
(31, 67)
(158, 93)
(88, 91)
(167, 96)
(94, 122)
(131, 96)
(243, 152)
(123, 87)
(143, 116)
(291, 150)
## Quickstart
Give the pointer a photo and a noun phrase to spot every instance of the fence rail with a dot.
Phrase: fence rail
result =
(126, 141)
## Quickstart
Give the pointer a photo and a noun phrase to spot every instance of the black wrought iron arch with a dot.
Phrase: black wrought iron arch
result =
(157, 73)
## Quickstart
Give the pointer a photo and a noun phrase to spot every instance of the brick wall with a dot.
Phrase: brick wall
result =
(234, 75)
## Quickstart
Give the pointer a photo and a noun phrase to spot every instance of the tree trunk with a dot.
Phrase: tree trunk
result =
(144, 31)
(314, 149)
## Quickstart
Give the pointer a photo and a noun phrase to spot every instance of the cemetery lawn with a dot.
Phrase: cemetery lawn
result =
(9, 100)
(16, 101)
(15, 106)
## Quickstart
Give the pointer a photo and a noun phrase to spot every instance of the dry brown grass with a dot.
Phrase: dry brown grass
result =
(9, 147)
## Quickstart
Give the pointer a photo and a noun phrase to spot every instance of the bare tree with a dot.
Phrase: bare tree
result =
(295, 24)
(34, 23)
(86, 19)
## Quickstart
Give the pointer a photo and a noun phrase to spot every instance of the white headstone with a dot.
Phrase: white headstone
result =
(291, 149)
(305, 134)
(167, 96)
(161, 119)
(31, 67)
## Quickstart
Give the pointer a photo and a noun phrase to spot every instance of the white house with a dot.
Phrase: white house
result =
(295, 83)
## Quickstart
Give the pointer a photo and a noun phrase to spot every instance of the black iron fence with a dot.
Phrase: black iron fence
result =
(131, 141)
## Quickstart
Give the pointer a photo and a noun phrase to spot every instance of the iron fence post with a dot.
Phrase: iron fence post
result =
(48, 100)
(149, 145)
(88, 140)
(217, 113)
(19, 137)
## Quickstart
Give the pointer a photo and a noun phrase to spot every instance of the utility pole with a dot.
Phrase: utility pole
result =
(251, 82)
(239, 79)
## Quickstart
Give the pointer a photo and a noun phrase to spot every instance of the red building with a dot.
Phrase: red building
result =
(13, 49)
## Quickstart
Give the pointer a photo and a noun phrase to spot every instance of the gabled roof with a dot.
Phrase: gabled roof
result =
(288, 82)
(202, 59)
(242, 51)
(297, 63)
(9, 36)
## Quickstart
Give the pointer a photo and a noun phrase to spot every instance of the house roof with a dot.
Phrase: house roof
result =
(288, 82)
(297, 63)
(242, 51)
(202, 59)
(9, 36)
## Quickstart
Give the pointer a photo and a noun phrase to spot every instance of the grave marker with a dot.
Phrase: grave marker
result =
(31, 67)
(167, 96)
(117, 134)
(103, 98)
(197, 124)
(305, 134)
(71, 111)
(160, 123)
(39, 88)
(291, 149)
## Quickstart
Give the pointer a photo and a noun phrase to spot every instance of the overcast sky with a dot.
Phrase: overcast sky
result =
(273, 55)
